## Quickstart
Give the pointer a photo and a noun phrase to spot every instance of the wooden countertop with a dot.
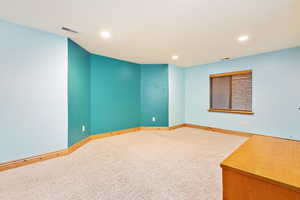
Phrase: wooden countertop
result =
(272, 159)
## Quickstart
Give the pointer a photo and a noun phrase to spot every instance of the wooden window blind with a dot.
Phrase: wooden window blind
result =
(231, 92)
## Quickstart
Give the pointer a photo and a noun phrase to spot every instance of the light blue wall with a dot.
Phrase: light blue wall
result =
(33, 86)
(276, 96)
(176, 95)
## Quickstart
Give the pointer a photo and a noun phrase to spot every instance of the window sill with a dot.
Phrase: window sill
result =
(232, 111)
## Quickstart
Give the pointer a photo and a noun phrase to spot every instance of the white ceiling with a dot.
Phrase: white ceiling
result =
(151, 31)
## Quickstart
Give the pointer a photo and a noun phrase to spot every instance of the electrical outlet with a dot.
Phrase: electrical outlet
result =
(83, 128)
(153, 119)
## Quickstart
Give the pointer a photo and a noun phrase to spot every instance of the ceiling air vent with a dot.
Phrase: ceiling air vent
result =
(69, 30)
(225, 58)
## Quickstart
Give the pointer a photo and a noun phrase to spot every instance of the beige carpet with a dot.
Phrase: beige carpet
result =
(150, 165)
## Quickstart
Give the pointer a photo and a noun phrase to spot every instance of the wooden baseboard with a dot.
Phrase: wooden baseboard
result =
(176, 126)
(109, 134)
(47, 156)
(125, 131)
(220, 130)
(33, 159)
(146, 128)
(78, 144)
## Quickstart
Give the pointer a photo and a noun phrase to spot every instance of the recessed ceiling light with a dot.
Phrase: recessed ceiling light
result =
(174, 57)
(105, 34)
(243, 38)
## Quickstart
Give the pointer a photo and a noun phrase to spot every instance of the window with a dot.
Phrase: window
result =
(231, 92)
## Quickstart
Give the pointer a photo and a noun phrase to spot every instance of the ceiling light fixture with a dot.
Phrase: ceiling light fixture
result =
(243, 38)
(225, 58)
(174, 57)
(105, 34)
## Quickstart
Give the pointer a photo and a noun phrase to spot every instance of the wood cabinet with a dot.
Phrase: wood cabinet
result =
(263, 168)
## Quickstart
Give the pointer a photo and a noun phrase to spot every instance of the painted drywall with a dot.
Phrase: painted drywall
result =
(33, 85)
(176, 95)
(154, 95)
(78, 93)
(276, 96)
(115, 94)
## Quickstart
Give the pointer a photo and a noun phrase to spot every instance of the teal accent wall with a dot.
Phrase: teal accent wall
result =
(154, 95)
(276, 97)
(78, 93)
(115, 94)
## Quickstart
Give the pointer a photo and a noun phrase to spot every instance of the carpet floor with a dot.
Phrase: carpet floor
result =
(182, 164)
